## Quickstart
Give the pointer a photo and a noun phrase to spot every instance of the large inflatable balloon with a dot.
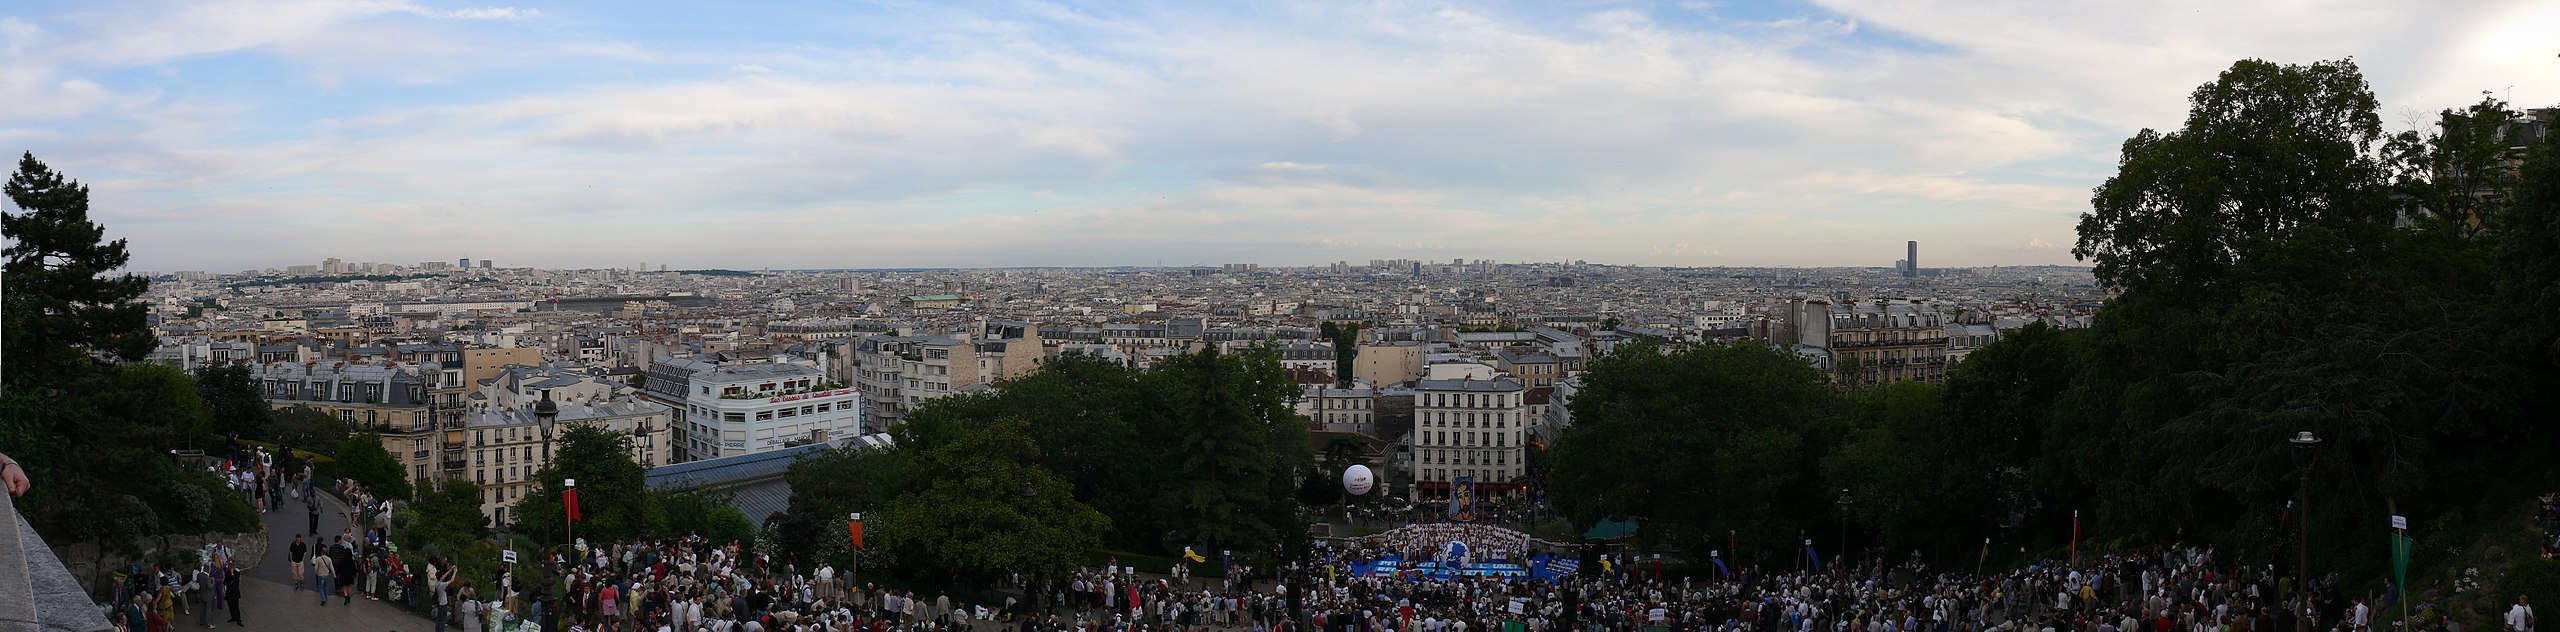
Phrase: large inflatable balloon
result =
(1357, 480)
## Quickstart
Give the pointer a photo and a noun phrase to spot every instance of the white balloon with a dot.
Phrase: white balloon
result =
(1357, 480)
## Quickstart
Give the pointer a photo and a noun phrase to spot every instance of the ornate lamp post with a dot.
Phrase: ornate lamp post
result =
(1843, 555)
(2302, 568)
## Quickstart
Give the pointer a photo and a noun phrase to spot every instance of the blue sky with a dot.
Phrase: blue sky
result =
(230, 135)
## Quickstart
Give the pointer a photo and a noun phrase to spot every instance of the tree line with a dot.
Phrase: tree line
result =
(1084, 455)
(2279, 264)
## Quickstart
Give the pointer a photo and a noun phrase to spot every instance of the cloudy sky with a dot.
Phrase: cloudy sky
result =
(229, 135)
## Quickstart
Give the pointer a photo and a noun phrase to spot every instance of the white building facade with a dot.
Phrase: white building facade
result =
(1468, 428)
(745, 409)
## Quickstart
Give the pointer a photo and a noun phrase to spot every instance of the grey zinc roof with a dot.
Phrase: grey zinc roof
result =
(1492, 385)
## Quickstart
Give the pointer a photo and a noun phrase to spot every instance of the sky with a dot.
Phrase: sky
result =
(223, 136)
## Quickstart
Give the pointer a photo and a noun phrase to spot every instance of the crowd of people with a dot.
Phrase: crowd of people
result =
(1428, 541)
(694, 585)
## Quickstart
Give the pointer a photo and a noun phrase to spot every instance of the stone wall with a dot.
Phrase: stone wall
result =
(247, 550)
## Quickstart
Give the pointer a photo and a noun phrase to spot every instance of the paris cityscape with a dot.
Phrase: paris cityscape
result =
(1786, 316)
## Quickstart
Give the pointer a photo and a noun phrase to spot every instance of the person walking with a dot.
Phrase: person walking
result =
(299, 553)
(312, 502)
(322, 570)
(231, 596)
(2520, 617)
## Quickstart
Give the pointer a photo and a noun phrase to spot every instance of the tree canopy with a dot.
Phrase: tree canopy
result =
(983, 507)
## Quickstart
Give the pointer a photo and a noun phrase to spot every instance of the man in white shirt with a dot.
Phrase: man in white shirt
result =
(2520, 617)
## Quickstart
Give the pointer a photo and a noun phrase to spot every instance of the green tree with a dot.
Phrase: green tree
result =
(57, 263)
(827, 487)
(362, 458)
(1139, 446)
(983, 507)
(1346, 348)
(703, 513)
(238, 408)
(613, 495)
(446, 517)
(1698, 441)
(1234, 447)
(307, 428)
(2456, 178)
(2528, 253)
(2268, 151)
(1890, 464)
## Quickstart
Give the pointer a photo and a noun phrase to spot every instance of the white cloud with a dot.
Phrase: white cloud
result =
(1295, 134)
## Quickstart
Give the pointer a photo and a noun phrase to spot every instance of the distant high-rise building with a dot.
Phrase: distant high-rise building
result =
(1911, 259)
(486, 264)
(464, 263)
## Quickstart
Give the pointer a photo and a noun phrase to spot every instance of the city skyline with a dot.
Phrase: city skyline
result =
(564, 135)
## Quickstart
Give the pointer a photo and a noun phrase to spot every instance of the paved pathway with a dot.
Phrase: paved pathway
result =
(269, 601)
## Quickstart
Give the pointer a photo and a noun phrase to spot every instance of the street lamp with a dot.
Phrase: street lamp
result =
(1843, 555)
(2302, 568)
(546, 413)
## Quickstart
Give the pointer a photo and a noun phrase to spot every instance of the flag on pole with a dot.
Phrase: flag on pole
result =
(1810, 555)
(1721, 569)
(2399, 561)
(1194, 557)
(856, 527)
(569, 500)
(2075, 535)
(1986, 551)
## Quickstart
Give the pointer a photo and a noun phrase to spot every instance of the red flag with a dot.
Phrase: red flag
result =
(2075, 535)
(569, 499)
(856, 526)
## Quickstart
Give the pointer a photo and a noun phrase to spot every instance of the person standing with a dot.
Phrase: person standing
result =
(322, 570)
(298, 554)
(344, 557)
(199, 587)
(2520, 617)
(312, 502)
(231, 596)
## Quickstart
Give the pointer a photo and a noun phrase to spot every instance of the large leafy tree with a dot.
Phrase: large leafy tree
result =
(446, 517)
(2268, 151)
(361, 457)
(1698, 441)
(238, 408)
(1140, 446)
(983, 507)
(613, 495)
(307, 428)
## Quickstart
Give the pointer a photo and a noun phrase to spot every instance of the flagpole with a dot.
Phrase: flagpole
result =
(572, 485)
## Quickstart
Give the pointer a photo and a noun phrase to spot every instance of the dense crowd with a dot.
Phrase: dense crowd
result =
(694, 585)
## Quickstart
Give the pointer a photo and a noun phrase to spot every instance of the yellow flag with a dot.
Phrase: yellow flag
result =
(1189, 555)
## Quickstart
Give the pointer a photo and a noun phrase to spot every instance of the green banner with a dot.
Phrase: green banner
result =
(2400, 563)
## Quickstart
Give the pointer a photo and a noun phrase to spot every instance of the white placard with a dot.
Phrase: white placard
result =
(508, 556)
(2399, 522)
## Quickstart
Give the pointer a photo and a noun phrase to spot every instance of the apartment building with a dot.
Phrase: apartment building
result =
(1468, 429)
(505, 433)
(898, 373)
(1332, 409)
(1872, 342)
(749, 408)
(383, 397)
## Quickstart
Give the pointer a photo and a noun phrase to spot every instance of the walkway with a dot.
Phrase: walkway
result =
(269, 602)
